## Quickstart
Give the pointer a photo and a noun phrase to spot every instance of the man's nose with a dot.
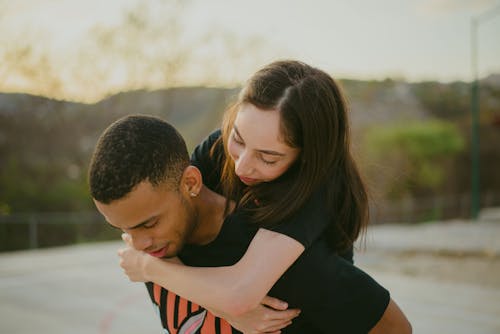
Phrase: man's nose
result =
(141, 242)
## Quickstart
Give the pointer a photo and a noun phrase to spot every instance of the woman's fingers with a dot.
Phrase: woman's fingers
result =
(274, 303)
(126, 238)
(276, 326)
(282, 316)
(278, 309)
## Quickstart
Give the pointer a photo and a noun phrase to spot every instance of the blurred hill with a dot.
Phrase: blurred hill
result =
(45, 144)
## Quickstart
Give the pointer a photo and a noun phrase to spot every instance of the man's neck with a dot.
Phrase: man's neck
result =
(209, 208)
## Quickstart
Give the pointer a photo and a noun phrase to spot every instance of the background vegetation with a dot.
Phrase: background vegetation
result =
(412, 146)
(412, 139)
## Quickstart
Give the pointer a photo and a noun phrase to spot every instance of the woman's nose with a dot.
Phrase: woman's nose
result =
(243, 165)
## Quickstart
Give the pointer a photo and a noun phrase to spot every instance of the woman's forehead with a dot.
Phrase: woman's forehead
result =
(259, 128)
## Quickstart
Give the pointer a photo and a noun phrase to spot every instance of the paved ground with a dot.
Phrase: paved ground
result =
(71, 290)
(446, 277)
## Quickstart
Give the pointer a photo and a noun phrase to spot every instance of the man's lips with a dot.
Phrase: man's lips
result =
(159, 253)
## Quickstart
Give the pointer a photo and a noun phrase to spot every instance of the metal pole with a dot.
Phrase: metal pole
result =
(475, 156)
(475, 123)
(33, 233)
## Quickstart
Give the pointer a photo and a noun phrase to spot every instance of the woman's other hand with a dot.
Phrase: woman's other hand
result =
(270, 316)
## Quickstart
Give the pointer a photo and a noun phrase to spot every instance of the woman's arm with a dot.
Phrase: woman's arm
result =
(232, 290)
(392, 321)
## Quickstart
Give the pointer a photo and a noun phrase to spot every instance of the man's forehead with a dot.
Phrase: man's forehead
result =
(124, 217)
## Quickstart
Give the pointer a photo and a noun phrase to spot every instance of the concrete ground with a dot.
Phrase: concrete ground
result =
(77, 290)
(446, 277)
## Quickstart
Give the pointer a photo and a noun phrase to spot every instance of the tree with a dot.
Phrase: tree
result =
(418, 155)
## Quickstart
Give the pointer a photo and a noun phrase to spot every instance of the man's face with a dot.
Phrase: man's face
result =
(158, 220)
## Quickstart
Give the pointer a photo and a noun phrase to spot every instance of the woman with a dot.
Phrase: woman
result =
(283, 156)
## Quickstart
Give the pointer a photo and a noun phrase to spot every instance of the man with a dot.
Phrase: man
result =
(141, 180)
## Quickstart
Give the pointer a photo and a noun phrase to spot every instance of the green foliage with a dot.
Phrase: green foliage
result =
(418, 149)
(419, 139)
(41, 188)
(45, 146)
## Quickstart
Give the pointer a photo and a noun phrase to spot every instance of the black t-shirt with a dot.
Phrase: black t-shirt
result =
(334, 295)
(305, 226)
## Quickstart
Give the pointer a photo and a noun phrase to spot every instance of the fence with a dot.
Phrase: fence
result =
(35, 230)
(414, 210)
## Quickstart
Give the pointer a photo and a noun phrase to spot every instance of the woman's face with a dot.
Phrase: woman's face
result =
(256, 146)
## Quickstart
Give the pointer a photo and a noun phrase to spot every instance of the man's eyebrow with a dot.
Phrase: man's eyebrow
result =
(141, 224)
(269, 152)
(113, 226)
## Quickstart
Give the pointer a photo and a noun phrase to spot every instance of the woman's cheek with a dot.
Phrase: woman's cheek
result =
(272, 173)
(278, 171)
(232, 149)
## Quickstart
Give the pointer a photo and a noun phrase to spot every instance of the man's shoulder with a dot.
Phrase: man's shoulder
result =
(227, 248)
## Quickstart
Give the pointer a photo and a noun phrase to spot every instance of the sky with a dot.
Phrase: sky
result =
(414, 40)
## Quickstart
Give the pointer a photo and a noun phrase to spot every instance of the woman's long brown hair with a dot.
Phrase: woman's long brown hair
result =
(314, 119)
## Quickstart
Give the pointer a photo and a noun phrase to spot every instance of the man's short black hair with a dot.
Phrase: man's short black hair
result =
(135, 149)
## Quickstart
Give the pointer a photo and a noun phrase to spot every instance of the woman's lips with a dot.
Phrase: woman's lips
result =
(159, 253)
(247, 180)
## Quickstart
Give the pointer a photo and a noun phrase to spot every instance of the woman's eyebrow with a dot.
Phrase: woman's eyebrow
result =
(269, 152)
(235, 128)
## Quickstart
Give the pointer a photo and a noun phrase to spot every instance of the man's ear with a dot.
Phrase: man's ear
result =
(191, 181)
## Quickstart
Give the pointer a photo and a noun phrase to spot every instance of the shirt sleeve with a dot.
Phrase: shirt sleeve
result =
(209, 165)
(309, 222)
(334, 295)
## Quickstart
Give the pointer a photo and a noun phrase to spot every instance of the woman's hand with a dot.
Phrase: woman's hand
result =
(133, 261)
(270, 316)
